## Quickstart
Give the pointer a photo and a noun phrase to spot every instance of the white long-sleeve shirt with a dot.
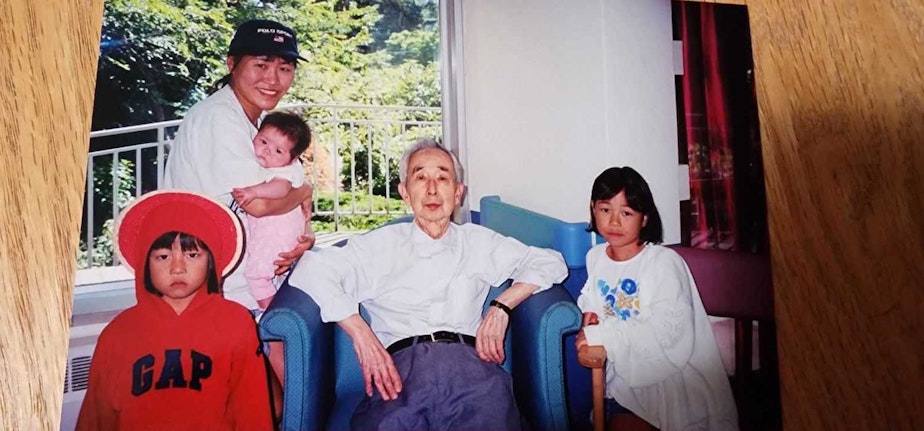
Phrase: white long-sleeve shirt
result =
(412, 284)
(663, 363)
(212, 151)
(211, 154)
(213, 148)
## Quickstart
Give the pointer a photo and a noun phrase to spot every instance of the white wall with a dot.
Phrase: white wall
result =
(556, 91)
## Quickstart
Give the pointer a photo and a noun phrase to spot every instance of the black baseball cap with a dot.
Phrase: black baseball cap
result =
(265, 37)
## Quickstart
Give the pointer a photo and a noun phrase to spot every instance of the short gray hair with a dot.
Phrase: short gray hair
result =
(424, 144)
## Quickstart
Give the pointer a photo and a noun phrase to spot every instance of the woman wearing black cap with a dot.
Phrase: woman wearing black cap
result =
(212, 152)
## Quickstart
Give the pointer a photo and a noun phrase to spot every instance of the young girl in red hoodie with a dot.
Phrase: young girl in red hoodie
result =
(183, 358)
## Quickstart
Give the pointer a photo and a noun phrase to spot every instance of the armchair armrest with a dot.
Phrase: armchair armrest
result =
(539, 325)
(295, 319)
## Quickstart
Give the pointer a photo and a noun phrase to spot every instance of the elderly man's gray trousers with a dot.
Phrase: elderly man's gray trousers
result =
(446, 387)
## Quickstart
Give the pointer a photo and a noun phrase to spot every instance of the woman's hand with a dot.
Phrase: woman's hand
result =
(286, 259)
(295, 198)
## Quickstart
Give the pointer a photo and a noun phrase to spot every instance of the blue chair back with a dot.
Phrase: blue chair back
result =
(571, 240)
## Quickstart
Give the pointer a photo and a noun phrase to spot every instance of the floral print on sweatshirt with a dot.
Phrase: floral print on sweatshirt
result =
(620, 301)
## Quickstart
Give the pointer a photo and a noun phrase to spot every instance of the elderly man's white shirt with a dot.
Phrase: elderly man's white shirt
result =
(411, 284)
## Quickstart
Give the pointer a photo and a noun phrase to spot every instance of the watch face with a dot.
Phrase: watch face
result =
(497, 304)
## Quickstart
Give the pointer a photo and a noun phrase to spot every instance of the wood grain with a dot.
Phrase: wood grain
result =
(738, 2)
(841, 99)
(48, 54)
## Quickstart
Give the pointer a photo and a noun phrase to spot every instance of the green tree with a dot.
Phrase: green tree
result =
(159, 57)
(400, 15)
(104, 201)
(421, 46)
(156, 58)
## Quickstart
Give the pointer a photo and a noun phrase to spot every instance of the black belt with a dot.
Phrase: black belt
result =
(436, 337)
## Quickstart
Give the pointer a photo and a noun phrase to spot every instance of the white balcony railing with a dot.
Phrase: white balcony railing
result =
(352, 166)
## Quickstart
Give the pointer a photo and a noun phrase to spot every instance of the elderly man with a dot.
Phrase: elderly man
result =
(424, 284)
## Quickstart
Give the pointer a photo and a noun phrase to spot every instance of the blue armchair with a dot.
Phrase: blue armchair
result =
(324, 384)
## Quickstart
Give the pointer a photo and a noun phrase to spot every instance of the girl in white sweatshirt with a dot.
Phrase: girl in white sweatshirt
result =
(641, 304)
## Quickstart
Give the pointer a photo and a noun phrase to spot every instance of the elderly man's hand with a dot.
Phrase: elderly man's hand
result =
(378, 368)
(489, 341)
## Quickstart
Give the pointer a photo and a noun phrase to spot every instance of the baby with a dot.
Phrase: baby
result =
(282, 138)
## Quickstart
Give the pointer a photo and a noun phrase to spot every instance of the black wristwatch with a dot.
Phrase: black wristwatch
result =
(497, 304)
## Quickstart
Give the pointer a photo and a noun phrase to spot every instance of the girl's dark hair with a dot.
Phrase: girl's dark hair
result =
(293, 127)
(638, 195)
(187, 243)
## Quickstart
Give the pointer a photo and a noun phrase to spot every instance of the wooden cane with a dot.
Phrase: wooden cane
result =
(594, 357)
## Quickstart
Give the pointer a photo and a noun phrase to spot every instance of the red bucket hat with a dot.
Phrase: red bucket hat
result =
(157, 213)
